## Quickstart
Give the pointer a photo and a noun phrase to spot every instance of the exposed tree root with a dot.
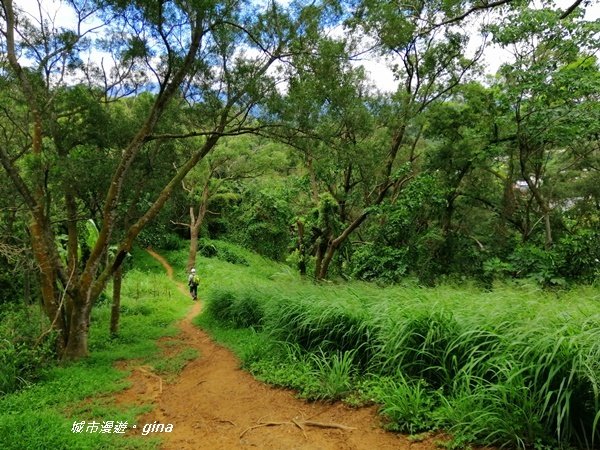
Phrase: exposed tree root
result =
(301, 424)
(311, 423)
(160, 380)
(226, 421)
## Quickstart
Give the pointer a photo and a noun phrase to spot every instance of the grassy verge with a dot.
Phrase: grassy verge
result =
(517, 367)
(41, 416)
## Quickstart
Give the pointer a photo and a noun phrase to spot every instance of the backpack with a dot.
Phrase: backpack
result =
(196, 280)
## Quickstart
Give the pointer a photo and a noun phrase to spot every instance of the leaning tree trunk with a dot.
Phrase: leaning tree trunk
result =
(334, 244)
(324, 266)
(48, 276)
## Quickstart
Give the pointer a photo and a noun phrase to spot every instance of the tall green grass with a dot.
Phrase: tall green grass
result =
(517, 367)
(41, 415)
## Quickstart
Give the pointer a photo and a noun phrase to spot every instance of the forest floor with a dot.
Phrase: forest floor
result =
(213, 404)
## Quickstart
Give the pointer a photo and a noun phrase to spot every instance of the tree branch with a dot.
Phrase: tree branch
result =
(570, 9)
(483, 6)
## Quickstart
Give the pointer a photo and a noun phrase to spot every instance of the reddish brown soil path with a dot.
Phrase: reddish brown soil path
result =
(215, 405)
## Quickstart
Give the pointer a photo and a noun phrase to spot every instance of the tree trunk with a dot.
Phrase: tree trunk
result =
(508, 197)
(196, 224)
(319, 260)
(543, 204)
(48, 276)
(334, 244)
(525, 151)
(548, 229)
(301, 249)
(77, 345)
(448, 215)
(194, 232)
(330, 252)
(115, 311)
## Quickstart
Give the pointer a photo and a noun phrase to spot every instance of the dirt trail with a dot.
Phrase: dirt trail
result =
(215, 405)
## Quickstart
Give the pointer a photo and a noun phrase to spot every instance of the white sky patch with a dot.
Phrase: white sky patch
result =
(493, 56)
(381, 75)
(376, 68)
(58, 15)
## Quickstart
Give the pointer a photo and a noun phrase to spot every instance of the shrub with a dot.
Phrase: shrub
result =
(235, 309)
(24, 354)
(222, 251)
(171, 242)
(574, 257)
(157, 235)
(580, 253)
(378, 262)
(207, 248)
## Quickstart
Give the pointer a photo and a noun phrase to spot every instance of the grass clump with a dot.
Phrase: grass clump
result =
(335, 373)
(223, 251)
(237, 309)
(409, 405)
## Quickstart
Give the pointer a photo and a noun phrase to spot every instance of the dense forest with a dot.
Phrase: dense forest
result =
(262, 124)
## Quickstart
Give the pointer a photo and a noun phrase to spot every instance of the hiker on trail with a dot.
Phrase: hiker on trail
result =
(193, 282)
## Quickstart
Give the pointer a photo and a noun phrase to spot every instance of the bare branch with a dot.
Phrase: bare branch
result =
(570, 9)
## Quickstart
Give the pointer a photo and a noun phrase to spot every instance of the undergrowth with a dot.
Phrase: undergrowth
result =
(41, 413)
(515, 367)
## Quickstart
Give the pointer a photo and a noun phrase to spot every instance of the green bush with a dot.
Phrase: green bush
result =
(580, 254)
(171, 241)
(235, 309)
(207, 248)
(544, 266)
(222, 251)
(261, 220)
(11, 282)
(161, 237)
(574, 258)
(25, 352)
(380, 263)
